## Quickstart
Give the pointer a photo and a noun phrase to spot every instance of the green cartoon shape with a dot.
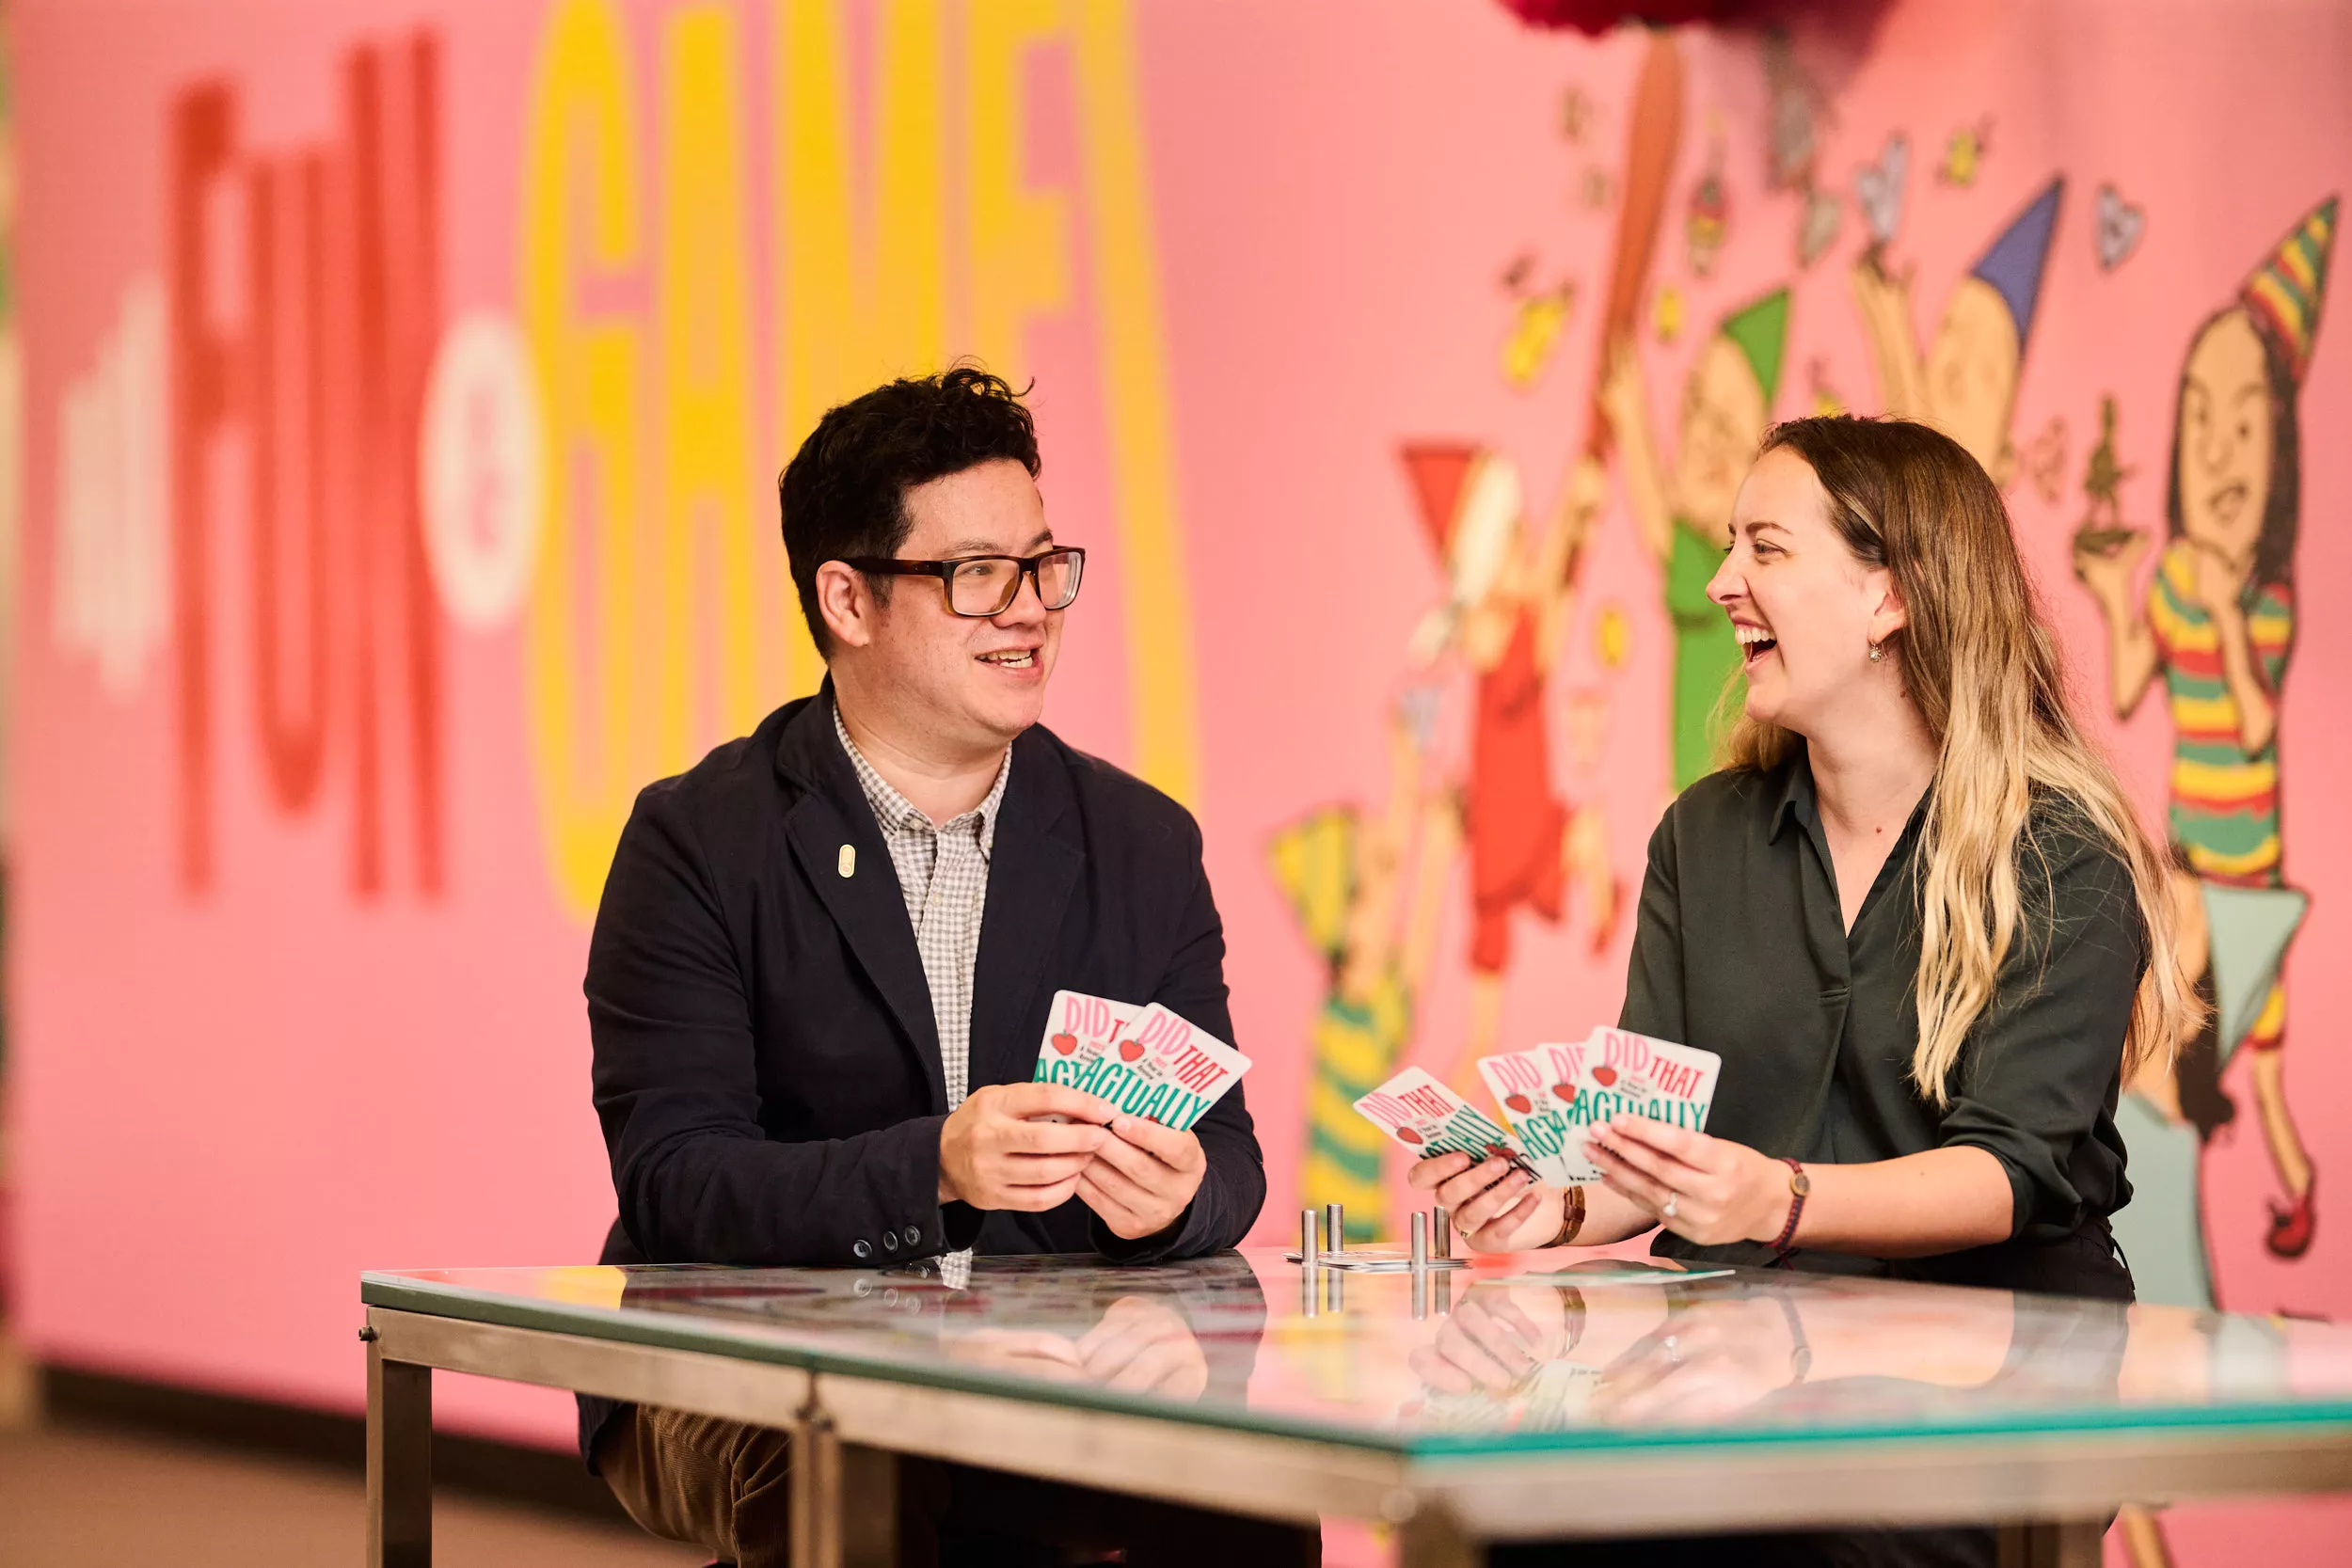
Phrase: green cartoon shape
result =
(1685, 516)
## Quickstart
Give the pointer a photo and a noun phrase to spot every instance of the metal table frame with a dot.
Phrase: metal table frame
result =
(2050, 1493)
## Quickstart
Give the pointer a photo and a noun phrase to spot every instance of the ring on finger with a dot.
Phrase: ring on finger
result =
(1668, 1211)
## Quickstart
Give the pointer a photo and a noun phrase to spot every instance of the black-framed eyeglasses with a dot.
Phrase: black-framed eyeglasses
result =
(981, 586)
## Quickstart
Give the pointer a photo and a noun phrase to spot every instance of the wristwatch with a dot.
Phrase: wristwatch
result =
(1799, 1185)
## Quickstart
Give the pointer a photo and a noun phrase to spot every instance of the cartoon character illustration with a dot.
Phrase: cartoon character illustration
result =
(2103, 481)
(2219, 625)
(1346, 881)
(1726, 404)
(1965, 384)
(1963, 154)
(1505, 615)
(1708, 223)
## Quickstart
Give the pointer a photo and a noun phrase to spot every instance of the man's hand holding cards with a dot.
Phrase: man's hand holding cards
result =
(1153, 1075)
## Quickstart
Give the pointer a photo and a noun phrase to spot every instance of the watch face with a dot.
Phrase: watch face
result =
(1799, 1184)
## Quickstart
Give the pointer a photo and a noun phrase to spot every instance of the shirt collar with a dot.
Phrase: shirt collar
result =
(894, 810)
(1797, 803)
(1800, 804)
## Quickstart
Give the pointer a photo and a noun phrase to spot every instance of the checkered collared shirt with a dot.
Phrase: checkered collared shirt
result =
(943, 870)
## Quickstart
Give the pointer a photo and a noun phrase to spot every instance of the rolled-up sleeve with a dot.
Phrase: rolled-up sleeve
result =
(2043, 1065)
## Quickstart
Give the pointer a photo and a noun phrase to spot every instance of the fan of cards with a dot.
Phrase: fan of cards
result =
(1146, 1061)
(1550, 1096)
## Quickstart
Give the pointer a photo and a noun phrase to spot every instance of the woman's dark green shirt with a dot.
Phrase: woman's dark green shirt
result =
(1742, 950)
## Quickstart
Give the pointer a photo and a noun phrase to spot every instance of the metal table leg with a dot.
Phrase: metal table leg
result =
(1430, 1537)
(400, 1462)
(845, 1497)
(869, 1507)
(2053, 1544)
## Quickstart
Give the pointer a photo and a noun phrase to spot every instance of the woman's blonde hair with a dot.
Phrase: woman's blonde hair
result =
(1979, 660)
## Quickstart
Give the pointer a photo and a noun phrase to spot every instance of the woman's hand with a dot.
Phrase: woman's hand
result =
(1495, 1207)
(1492, 1341)
(1719, 1191)
(1705, 1362)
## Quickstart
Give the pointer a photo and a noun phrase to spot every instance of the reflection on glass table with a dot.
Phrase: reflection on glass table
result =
(1505, 1362)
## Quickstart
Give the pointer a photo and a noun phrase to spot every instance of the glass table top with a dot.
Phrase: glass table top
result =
(1507, 1356)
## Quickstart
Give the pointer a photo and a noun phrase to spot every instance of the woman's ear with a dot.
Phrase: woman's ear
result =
(844, 599)
(1890, 616)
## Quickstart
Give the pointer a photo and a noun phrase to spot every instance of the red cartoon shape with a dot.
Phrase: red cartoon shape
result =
(1564, 1093)
(1065, 1043)
(1604, 1076)
(1408, 1135)
(1518, 1103)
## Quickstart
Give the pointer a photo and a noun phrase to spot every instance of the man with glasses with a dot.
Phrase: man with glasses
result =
(825, 956)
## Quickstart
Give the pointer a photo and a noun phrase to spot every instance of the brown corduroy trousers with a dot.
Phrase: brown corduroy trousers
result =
(726, 1488)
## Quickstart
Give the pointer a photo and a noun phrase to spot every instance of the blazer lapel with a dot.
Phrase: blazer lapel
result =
(868, 905)
(1031, 873)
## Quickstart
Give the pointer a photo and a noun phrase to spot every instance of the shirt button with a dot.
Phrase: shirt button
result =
(915, 1236)
(890, 1241)
(861, 1249)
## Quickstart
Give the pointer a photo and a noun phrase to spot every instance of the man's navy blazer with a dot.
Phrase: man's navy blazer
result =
(767, 1070)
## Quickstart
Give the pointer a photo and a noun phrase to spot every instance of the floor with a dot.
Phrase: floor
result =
(100, 1499)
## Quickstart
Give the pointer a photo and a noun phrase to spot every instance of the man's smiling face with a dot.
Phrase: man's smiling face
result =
(974, 683)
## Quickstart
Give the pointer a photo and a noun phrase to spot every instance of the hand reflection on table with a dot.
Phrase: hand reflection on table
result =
(1685, 1353)
(1706, 1361)
(1139, 1346)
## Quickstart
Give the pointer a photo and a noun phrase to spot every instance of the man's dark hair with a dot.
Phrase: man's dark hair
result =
(844, 493)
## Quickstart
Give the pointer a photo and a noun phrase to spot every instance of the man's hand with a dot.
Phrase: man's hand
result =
(1145, 1347)
(993, 1155)
(1143, 1177)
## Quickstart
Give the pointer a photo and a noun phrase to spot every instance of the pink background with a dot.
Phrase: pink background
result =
(225, 1105)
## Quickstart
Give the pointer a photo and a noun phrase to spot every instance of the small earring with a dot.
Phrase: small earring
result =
(1876, 653)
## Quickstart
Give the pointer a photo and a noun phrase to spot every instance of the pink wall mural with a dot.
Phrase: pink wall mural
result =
(404, 385)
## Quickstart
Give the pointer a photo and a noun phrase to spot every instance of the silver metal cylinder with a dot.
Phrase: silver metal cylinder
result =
(1420, 1243)
(1335, 1227)
(1443, 1244)
(1309, 1249)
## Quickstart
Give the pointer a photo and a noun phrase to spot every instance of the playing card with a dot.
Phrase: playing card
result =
(1078, 1029)
(1630, 1074)
(1153, 1064)
(1428, 1118)
(1537, 1091)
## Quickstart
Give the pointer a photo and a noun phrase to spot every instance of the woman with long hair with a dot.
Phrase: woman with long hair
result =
(1915, 914)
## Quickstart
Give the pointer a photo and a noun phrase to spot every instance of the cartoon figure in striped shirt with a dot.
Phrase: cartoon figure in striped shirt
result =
(1366, 891)
(2218, 625)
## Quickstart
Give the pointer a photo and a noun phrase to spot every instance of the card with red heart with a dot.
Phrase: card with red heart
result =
(1428, 1120)
(1537, 1091)
(1630, 1074)
(1155, 1065)
(1078, 1028)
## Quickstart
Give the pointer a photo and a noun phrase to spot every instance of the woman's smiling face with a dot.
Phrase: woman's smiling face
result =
(1805, 608)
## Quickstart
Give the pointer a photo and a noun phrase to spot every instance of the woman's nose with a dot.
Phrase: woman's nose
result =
(1726, 584)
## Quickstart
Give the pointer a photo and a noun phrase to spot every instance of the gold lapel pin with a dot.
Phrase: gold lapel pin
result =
(849, 860)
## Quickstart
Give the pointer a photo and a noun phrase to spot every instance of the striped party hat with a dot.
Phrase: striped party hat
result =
(2285, 291)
